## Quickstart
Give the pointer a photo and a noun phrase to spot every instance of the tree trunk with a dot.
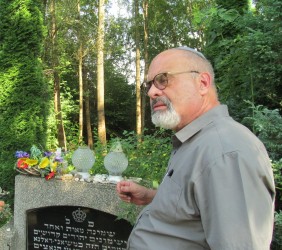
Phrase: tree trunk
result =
(137, 62)
(146, 59)
(80, 83)
(80, 77)
(56, 78)
(87, 116)
(100, 75)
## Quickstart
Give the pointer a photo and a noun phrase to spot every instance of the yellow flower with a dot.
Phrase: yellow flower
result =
(44, 162)
(54, 166)
(23, 159)
(31, 162)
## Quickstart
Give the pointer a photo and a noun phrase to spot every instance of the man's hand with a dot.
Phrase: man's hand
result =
(129, 191)
(2, 204)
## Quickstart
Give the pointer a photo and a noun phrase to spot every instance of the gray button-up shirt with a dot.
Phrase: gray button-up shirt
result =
(218, 192)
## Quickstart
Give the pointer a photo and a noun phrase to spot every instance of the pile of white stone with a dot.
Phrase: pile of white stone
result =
(98, 178)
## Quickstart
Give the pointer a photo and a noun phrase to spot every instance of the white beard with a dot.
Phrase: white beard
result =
(167, 119)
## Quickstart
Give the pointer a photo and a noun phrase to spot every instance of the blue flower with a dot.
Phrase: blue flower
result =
(47, 153)
(58, 159)
(21, 154)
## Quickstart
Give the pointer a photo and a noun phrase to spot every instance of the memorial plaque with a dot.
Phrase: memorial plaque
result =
(75, 228)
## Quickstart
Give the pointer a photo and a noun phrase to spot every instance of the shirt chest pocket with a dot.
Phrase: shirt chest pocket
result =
(165, 203)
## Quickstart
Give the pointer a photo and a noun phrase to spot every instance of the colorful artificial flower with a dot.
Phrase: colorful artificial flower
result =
(22, 163)
(48, 154)
(58, 155)
(41, 163)
(21, 154)
(44, 162)
(58, 159)
(50, 176)
(31, 162)
(54, 166)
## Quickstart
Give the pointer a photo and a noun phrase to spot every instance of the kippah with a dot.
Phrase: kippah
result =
(192, 50)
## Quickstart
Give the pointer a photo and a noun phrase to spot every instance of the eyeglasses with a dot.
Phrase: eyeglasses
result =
(161, 80)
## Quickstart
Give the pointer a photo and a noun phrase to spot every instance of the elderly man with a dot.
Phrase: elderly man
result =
(218, 192)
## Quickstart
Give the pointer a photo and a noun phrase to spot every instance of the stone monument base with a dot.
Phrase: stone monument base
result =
(35, 192)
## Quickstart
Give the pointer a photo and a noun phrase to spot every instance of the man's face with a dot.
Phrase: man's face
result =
(167, 118)
(177, 104)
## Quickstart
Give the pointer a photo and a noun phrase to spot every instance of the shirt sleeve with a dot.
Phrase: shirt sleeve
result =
(235, 196)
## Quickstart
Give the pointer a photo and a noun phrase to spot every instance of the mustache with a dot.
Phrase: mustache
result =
(162, 99)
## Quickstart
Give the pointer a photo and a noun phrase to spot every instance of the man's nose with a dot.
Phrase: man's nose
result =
(154, 92)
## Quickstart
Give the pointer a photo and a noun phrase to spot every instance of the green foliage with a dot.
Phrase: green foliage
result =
(147, 158)
(119, 102)
(5, 215)
(240, 6)
(24, 93)
(277, 235)
(170, 25)
(246, 55)
(128, 211)
(277, 171)
(7, 179)
(267, 125)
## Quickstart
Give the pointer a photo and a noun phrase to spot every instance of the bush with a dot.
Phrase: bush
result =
(147, 156)
(5, 215)
(267, 125)
(277, 235)
(277, 171)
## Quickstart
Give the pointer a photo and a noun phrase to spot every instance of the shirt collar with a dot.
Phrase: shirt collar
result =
(198, 124)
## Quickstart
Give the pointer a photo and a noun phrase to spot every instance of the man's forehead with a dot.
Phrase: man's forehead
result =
(168, 60)
(169, 53)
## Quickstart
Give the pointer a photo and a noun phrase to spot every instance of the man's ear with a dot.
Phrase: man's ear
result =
(205, 82)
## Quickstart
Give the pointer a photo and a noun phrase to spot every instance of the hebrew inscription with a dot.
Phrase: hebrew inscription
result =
(75, 228)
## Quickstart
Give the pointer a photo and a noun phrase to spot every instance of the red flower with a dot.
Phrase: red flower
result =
(22, 164)
(50, 176)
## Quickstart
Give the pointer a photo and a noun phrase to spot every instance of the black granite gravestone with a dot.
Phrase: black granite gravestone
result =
(75, 228)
